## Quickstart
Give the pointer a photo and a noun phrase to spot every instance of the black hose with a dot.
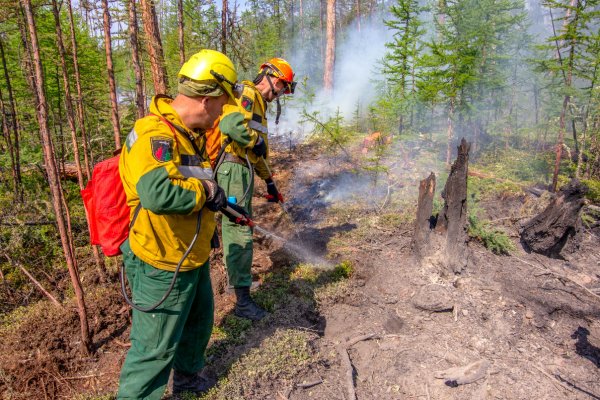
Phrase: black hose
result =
(172, 285)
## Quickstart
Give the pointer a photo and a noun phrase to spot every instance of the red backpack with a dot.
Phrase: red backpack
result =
(106, 207)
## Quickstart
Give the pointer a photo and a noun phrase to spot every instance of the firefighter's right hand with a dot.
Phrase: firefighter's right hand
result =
(273, 195)
(244, 220)
(215, 195)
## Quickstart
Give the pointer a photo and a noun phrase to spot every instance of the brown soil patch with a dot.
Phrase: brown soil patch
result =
(526, 316)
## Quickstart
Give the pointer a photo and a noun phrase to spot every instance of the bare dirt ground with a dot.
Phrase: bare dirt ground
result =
(524, 326)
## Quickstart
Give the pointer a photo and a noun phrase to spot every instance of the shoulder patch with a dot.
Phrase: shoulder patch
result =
(246, 103)
(162, 148)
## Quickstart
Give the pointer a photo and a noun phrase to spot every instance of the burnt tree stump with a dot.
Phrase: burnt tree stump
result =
(452, 220)
(424, 221)
(549, 232)
(444, 243)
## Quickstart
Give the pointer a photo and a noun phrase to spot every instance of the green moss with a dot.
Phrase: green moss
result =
(280, 356)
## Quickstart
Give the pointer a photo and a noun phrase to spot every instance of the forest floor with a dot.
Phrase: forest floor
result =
(345, 295)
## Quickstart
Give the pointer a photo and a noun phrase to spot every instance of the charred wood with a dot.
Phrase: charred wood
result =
(424, 221)
(443, 240)
(452, 220)
(557, 227)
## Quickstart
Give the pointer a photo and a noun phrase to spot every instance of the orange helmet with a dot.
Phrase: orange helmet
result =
(279, 68)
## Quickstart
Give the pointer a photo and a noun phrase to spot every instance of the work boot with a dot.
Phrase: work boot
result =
(196, 384)
(245, 307)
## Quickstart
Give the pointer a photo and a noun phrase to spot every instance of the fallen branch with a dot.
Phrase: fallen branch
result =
(309, 384)
(83, 377)
(33, 280)
(560, 276)
(347, 363)
(552, 378)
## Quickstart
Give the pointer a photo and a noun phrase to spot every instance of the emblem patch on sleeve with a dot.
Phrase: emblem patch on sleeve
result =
(246, 103)
(162, 148)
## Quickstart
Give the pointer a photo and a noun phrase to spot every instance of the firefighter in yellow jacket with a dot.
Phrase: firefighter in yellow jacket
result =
(244, 132)
(172, 200)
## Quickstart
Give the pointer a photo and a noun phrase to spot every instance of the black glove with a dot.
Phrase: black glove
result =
(260, 147)
(215, 196)
(274, 196)
(244, 220)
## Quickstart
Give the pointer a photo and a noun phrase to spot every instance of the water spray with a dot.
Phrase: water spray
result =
(284, 207)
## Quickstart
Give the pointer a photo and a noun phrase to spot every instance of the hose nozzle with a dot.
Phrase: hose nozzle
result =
(237, 214)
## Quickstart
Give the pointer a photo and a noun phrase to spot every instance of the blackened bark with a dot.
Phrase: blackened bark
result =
(452, 220)
(423, 221)
(549, 232)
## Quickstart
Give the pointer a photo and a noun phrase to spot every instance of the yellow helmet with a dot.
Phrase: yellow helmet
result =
(210, 66)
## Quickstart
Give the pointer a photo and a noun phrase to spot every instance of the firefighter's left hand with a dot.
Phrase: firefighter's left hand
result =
(260, 147)
(273, 195)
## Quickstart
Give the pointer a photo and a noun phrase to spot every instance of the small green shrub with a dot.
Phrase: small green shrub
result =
(593, 193)
(494, 240)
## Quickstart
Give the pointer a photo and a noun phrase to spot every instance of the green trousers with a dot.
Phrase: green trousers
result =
(174, 335)
(237, 240)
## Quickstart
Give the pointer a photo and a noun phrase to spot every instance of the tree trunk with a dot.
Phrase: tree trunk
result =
(180, 37)
(557, 226)
(423, 221)
(358, 15)
(140, 98)
(155, 49)
(330, 48)
(101, 268)
(68, 98)
(559, 144)
(450, 131)
(54, 183)
(114, 105)
(453, 218)
(79, 102)
(13, 146)
(224, 8)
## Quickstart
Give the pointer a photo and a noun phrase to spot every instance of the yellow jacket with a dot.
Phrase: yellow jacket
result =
(253, 108)
(162, 171)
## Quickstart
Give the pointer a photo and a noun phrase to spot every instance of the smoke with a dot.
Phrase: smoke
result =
(358, 57)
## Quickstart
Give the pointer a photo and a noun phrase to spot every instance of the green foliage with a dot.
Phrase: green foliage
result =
(329, 133)
(517, 165)
(593, 193)
(494, 240)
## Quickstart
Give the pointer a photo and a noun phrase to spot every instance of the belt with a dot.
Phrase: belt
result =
(235, 159)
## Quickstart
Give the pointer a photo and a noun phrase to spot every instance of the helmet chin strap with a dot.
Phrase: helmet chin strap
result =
(276, 94)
